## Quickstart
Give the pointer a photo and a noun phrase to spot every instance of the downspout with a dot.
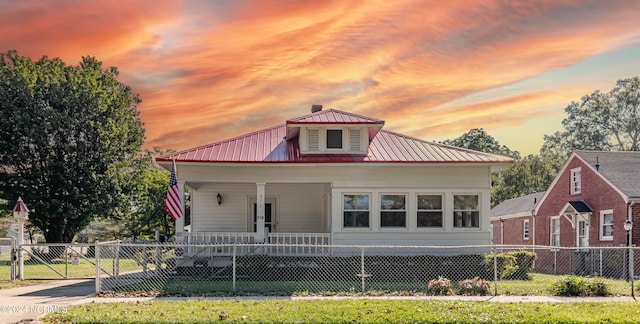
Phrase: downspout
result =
(501, 231)
(533, 229)
(630, 217)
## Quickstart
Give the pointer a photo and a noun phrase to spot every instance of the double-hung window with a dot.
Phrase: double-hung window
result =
(606, 225)
(525, 230)
(576, 181)
(393, 210)
(554, 230)
(429, 211)
(466, 211)
(355, 210)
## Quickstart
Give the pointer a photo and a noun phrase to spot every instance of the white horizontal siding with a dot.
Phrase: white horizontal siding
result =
(448, 238)
(230, 216)
(454, 176)
(299, 207)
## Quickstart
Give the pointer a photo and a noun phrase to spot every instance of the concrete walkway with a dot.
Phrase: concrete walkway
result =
(26, 304)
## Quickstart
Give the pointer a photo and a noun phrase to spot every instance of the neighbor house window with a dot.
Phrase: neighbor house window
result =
(576, 183)
(554, 229)
(606, 225)
(429, 211)
(334, 138)
(525, 230)
(393, 210)
(356, 210)
(466, 211)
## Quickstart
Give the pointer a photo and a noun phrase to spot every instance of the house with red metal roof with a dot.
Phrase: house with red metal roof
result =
(335, 178)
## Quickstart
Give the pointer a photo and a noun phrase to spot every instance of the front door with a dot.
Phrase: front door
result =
(269, 215)
(582, 233)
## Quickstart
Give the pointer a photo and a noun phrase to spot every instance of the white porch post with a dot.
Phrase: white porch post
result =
(260, 212)
(180, 220)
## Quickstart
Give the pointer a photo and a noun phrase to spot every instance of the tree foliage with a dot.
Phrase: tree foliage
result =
(477, 139)
(68, 138)
(527, 175)
(533, 173)
(149, 191)
(600, 121)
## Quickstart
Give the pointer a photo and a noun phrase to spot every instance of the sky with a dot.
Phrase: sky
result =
(211, 70)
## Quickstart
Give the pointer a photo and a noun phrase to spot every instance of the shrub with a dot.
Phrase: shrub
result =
(579, 286)
(595, 287)
(440, 287)
(506, 265)
(524, 264)
(568, 286)
(475, 286)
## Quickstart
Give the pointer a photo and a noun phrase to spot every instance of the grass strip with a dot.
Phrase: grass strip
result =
(347, 311)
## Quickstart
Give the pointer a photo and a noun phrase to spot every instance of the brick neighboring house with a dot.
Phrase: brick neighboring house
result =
(512, 220)
(588, 202)
(585, 206)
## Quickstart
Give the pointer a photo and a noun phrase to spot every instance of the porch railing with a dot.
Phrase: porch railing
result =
(249, 238)
(276, 243)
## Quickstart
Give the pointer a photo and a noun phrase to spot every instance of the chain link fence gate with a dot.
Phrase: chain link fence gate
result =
(174, 269)
(59, 261)
(8, 259)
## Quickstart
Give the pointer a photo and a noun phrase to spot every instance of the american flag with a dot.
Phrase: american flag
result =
(173, 204)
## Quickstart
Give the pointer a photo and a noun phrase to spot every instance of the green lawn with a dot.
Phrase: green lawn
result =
(540, 284)
(347, 311)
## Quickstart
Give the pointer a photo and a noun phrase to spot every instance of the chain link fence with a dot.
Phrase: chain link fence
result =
(58, 261)
(173, 269)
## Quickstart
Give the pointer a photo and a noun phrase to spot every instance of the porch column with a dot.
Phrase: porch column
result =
(260, 212)
(180, 220)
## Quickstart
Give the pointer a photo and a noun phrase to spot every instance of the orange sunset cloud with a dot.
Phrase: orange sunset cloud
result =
(210, 70)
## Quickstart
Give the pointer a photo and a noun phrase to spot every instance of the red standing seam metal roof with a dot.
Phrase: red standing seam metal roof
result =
(270, 146)
(333, 116)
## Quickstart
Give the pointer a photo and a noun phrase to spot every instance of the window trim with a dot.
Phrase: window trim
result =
(441, 210)
(478, 210)
(601, 225)
(405, 210)
(575, 181)
(356, 228)
(526, 230)
(551, 232)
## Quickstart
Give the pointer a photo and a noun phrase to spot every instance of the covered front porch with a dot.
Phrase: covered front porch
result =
(257, 213)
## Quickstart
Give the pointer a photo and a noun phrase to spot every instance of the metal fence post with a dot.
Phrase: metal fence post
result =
(631, 274)
(97, 255)
(495, 271)
(66, 262)
(116, 260)
(234, 267)
(362, 273)
(14, 257)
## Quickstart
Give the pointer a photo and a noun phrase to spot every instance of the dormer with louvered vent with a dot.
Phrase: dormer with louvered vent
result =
(333, 132)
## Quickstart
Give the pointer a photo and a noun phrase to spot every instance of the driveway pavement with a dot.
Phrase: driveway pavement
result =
(25, 304)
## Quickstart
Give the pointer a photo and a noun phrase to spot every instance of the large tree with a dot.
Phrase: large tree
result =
(68, 136)
(600, 121)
